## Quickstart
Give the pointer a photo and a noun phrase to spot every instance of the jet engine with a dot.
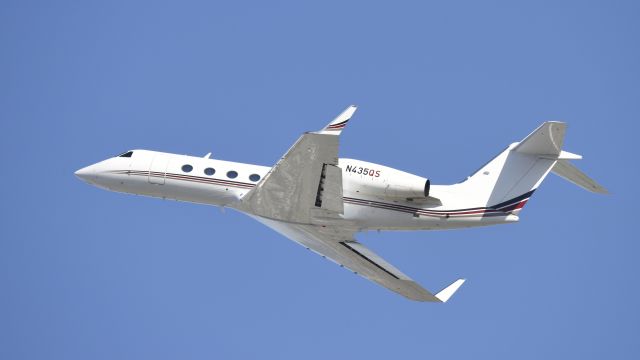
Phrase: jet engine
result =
(370, 179)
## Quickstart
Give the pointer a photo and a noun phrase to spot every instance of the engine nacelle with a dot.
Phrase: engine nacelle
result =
(381, 181)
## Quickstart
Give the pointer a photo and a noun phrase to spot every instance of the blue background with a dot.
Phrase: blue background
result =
(442, 87)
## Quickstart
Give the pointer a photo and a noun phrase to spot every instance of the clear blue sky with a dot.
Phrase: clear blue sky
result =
(442, 87)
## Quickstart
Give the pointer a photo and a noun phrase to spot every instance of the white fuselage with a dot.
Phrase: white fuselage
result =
(373, 194)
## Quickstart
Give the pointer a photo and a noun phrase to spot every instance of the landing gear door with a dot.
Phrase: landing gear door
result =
(158, 169)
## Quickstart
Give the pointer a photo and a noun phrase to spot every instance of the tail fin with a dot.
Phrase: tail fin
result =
(506, 182)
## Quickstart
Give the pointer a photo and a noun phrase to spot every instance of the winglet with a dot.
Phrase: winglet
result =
(447, 292)
(335, 127)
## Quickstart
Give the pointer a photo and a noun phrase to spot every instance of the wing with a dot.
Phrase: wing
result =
(337, 244)
(301, 198)
(305, 186)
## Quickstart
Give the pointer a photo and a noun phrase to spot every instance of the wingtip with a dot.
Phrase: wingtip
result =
(445, 294)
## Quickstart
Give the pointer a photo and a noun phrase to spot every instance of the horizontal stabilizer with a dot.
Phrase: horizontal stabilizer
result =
(447, 292)
(545, 140)
(569, 172)
(565, 155)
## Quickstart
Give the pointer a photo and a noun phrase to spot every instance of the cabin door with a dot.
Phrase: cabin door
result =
(158, 169)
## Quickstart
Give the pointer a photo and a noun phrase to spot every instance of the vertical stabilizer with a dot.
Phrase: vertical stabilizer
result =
(507, 181)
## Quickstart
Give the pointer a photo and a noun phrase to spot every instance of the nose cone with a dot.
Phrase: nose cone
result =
(87, 174)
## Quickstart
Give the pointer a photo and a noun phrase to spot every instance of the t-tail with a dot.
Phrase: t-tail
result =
(504, 184)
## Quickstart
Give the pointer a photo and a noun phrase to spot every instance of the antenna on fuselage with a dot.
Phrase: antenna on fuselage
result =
(207, 156)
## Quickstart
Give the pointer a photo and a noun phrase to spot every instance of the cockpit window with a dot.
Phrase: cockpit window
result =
(127, 154)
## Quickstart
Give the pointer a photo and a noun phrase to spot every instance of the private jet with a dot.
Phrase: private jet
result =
(321, 201)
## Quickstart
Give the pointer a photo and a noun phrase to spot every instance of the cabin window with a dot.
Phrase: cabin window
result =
(254, 177)
(127, 154)
(187, 168)
(209, 171)
(232, 174)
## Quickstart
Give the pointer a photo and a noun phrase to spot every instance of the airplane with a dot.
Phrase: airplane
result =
(320, 201)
